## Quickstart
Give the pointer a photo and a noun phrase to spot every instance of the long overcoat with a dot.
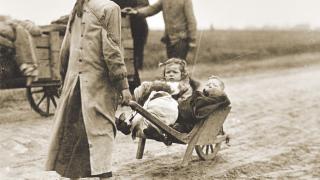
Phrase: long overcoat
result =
(91, 54)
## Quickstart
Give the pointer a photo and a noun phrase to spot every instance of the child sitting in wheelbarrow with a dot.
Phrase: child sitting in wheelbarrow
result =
(162, 98)
(201, 104)
(157, 97)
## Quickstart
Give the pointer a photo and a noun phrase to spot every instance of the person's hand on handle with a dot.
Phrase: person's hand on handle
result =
(126, 97)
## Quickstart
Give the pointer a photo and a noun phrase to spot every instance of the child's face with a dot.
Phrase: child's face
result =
(213, 87)
(172, 72)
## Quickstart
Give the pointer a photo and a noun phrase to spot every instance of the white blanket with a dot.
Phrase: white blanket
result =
(161, 105)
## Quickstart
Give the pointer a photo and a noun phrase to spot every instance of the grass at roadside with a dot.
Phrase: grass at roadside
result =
(223, 46)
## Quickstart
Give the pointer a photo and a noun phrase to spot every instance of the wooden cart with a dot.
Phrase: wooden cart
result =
(43, 93)
(206, 137)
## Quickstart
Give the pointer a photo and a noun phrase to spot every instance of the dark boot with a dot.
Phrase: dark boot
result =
(153, 133)
(122, 125)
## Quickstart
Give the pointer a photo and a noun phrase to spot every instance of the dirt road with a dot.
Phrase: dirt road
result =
(274, 125)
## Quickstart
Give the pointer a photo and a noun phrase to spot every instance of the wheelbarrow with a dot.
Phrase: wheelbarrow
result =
(206, 136)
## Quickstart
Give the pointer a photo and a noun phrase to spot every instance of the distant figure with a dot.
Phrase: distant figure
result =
(93, 75)
(139, 29)
(134, 32)
(180, 24)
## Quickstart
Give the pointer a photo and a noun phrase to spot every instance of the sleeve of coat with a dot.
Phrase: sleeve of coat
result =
(64, 53)
(111, 47)
(151, 9)
(191, 21)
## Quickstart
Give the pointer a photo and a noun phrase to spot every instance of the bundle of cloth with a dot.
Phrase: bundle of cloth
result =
(18, 35)
(63, 20)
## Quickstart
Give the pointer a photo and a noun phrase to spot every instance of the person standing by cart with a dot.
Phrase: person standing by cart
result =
(134, 28)
(139, 29)
(180, 25)
(93, 75)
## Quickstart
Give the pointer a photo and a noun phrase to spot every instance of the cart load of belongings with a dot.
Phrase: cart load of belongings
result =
(17, 51)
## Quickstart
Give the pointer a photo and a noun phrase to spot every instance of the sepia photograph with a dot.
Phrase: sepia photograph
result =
(159, 89)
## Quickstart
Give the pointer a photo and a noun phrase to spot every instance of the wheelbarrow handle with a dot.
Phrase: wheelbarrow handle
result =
(133, 105)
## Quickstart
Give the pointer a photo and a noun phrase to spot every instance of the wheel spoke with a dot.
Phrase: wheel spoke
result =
(40, 97)
(207, 149)
(211, 147)
(43, 97)
(48, 104)
(53, 101)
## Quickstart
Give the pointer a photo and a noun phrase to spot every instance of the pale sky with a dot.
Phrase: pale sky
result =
(219, 13)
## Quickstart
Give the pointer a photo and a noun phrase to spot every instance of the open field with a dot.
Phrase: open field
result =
(223, 46)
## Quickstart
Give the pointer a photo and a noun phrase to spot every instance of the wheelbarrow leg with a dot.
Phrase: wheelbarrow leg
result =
(142, 143)
(188, 153)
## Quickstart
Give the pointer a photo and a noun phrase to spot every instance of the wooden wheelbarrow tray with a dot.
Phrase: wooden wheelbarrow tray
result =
(206, 137)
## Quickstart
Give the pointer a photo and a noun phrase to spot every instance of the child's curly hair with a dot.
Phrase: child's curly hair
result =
(181, 62)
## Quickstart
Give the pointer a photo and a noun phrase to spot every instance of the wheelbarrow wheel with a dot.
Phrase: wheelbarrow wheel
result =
(43, 99)
(208, 152)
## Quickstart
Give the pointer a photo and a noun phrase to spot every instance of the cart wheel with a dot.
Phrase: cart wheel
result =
(208, 152)
(43, 99)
